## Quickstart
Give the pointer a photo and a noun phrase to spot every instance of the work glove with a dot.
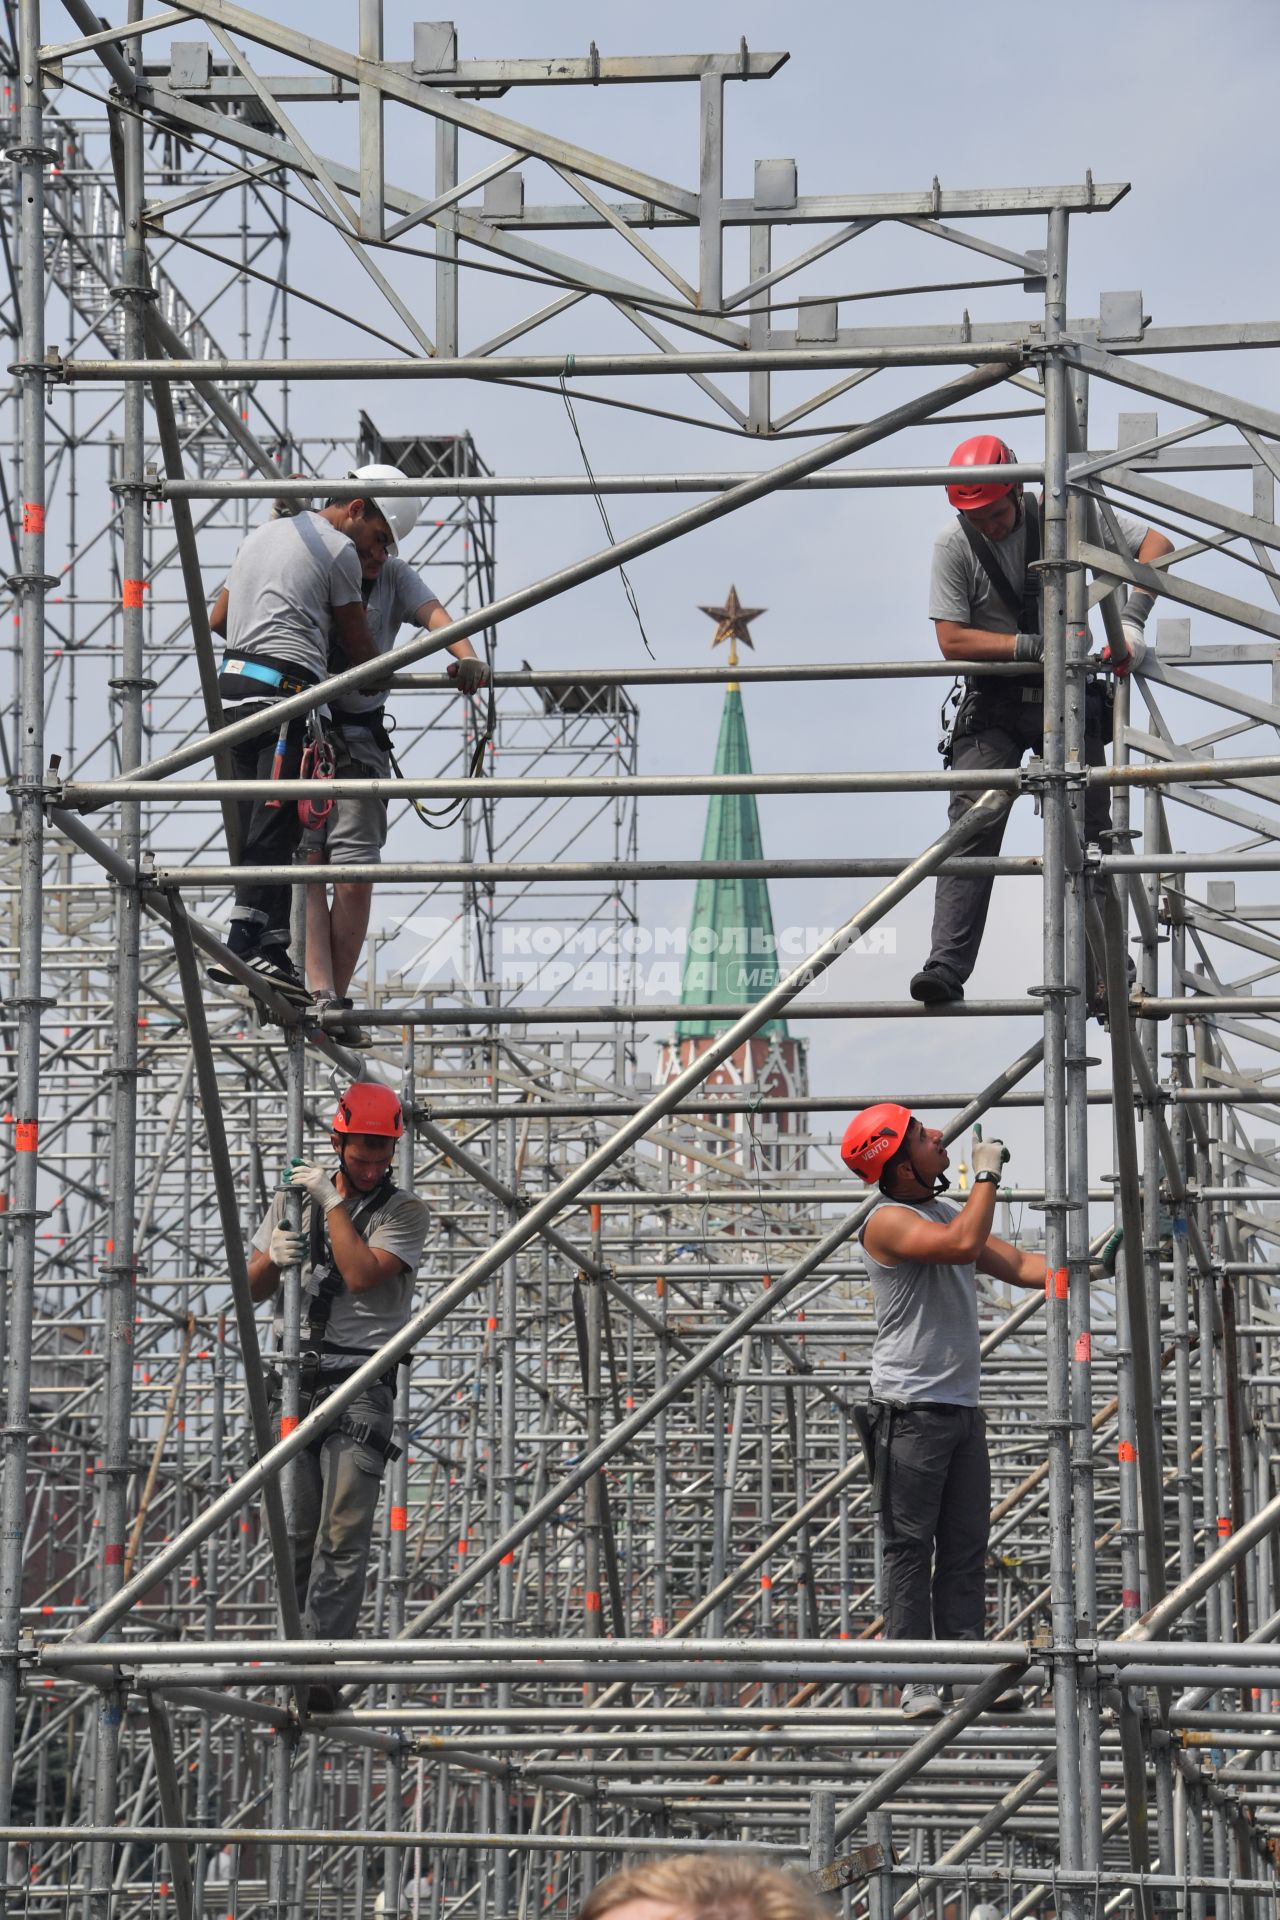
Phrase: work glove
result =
(288, 1248)
(1133, 623)
(988, 1156)
(1029, 646)
(1107, 1258)
(470, 674)
(314, 1182)
(1137, 645)
(1137, 607)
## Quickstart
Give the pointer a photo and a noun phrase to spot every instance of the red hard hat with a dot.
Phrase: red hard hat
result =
(984, 450)
(366, 1107)
(872, 1137)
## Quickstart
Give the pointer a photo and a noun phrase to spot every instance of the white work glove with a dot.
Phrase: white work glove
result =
(288, 1248)
(988, 1156)
(1133, 623)
(314, 1182)
(470, 674)
(1135, 640)
(1029, 646)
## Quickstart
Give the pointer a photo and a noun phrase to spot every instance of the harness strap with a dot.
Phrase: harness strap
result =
(1021, 600)
(365, 1436)
(320, 1304)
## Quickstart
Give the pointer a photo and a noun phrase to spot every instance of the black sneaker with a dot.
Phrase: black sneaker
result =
(223, 976)
(934, 989)
(276, 970)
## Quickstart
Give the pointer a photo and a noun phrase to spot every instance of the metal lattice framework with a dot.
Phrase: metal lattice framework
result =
(626, 1588)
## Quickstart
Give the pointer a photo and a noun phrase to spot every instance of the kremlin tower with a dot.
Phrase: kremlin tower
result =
(731, 957)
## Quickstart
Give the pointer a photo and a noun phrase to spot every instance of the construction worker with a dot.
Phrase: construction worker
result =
(291, 581)
(703, 1886)
(922, 1427)
(984, 601)
(355, 830)
(358, 1250)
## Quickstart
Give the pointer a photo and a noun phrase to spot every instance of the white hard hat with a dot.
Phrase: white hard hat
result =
(984, 1912)
(400, 511)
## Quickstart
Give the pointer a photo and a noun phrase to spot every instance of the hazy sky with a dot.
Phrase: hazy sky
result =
(1176, 98)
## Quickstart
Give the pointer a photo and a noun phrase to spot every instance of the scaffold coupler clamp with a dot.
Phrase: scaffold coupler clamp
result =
(1034, 780)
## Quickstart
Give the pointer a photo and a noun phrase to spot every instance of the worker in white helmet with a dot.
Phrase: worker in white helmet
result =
(294, 581)
(355, 830)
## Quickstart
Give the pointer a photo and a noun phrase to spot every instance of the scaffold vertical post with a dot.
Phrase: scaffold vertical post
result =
(1057, 408)
(30, 160)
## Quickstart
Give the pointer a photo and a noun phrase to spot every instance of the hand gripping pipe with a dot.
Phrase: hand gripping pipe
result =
(988, 808)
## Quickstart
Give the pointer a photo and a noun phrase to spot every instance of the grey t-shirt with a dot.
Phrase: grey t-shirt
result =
(926, 1345)
(284, 584)
(959, 589)
(394, 600)
(398, 1225)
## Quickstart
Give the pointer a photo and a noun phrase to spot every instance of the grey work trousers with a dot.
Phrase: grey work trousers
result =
(335, 1502)
(936, 1519)
(960, 904)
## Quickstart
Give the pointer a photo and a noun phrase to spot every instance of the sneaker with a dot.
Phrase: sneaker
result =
(934, 989)
(1012, 1700)
(276, 970)
(922, 1701)
(349, 1034)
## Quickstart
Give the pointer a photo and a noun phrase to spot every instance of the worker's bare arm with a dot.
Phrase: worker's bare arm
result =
(362, 1267)
(971, 643)
(1154, 547)
(1016, 1268)
(433, 616)
(218, 615)
(264, 1276)
(897, 1234)
(354, 637)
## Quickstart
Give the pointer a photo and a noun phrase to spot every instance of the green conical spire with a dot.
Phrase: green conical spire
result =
(731, 954)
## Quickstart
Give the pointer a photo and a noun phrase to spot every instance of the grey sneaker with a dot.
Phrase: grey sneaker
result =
(921, 1700)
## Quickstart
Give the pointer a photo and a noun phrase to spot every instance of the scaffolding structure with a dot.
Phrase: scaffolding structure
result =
(626, 1589)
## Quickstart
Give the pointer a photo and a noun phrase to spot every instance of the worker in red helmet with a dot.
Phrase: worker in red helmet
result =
(922, 1428)
(358, 1253)
(984, 601)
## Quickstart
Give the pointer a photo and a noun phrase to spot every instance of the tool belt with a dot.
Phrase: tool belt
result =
(240, 678)
(1008, 703)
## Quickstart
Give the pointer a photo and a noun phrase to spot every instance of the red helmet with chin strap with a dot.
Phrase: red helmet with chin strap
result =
(984, 450)
(872, 1138)
(366, 1107)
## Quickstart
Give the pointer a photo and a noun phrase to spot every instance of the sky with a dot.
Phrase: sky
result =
(1175, 98)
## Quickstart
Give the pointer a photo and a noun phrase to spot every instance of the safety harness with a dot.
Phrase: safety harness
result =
(973, 703)
(327, 1284)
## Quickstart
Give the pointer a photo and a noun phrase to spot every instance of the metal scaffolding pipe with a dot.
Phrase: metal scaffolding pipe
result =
(504, 487)
(97, 793)
(1003, 355)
